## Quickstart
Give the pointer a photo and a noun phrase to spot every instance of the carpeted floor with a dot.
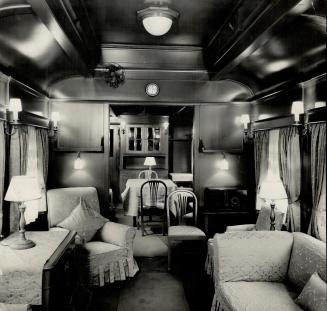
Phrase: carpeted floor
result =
(154, 288)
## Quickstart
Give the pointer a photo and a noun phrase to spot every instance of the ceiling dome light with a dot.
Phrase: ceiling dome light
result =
(157, 20)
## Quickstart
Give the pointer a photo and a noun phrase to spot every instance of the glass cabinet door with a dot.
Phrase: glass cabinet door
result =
(134, 138)
(153, 139)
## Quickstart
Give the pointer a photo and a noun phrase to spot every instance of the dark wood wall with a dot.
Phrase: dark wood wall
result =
(84, 128)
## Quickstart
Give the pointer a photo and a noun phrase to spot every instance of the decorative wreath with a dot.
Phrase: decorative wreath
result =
(114, 75)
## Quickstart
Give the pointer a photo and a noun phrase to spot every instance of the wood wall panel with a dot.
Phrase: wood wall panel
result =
(81, 126)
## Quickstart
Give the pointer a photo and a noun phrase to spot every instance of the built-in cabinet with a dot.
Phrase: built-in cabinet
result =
(145, 138)
(220, 128)
(141, 137)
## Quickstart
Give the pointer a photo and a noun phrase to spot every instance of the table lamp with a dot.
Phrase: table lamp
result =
(272, 190)
(22, 189)
(150, 161)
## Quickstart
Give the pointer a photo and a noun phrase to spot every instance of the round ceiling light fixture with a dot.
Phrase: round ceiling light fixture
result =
(157, 20)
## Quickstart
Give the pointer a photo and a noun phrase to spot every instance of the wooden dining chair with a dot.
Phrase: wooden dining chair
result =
(182, 209)
(153, 202)
(147, 174)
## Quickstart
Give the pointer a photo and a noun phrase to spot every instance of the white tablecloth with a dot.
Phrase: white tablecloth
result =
(131, 194)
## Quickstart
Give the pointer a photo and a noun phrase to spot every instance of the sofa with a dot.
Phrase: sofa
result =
(264, 270)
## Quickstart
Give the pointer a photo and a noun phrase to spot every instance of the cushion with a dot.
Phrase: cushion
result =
(308, 256)
(62, 201)
(256, 296)
(186, 232)
(84, 220)
(98, 247)
(263, 220)
(252, 255)
(313, 295)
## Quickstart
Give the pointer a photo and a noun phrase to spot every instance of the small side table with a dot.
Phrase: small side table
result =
(57, 279)
(37, 275)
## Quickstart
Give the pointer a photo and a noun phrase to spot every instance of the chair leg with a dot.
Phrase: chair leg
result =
(169, 255)
(142, 225)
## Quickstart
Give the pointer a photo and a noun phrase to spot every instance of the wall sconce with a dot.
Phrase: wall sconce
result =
(53, 124)
(165, 127)
(15, 106)
(123, 126)
(297, 109)
(79, 163)
(245, 120)
(55, 118)
(223, 164)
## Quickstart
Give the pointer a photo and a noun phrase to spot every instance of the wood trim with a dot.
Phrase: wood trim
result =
(245, 43)
(108, 46)
(73, 149)
(43, 11)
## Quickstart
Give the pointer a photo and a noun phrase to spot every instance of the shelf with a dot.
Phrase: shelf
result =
(142, 154)
(232, 151)
(181, 139)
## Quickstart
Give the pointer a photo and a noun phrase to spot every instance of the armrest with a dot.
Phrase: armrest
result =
(15, 307)
(117, 234)
(252, 256)
(247, 227)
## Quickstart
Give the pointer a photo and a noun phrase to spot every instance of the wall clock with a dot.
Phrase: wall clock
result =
(152, 89)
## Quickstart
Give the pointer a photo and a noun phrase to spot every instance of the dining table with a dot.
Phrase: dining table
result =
(131, 194)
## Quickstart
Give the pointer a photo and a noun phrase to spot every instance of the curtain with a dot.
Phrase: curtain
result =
(273, 168)
(37, 166)
(17, 166)
(290, 173)
(32, 207)
(2, 171)
(42, 143)
(261, 143)
(318, 173)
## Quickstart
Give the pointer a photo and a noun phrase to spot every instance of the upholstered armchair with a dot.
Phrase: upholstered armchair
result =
(268, 270)
(105, 248)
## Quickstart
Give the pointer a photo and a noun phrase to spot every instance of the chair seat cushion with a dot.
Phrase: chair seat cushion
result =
(98, 247)
(256, 296)
(186, 233)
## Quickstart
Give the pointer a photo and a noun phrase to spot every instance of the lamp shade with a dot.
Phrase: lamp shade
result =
(79, 163)
(297, 107)
(22, 189)
(157, 25)
(245, 120)
(272, 189)
(55, 116)
(223, 164)
(320, 104)
(15, 104)
(150, 161)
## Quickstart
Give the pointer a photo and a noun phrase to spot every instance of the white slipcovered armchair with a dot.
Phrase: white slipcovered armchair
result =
(108, 256)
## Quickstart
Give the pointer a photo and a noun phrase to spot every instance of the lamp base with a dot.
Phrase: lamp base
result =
(21, 244)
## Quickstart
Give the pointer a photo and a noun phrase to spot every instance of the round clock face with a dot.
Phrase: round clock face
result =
(152, 89)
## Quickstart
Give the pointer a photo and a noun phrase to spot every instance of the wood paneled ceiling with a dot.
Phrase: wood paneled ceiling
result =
(260, 43)
(116, 21)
